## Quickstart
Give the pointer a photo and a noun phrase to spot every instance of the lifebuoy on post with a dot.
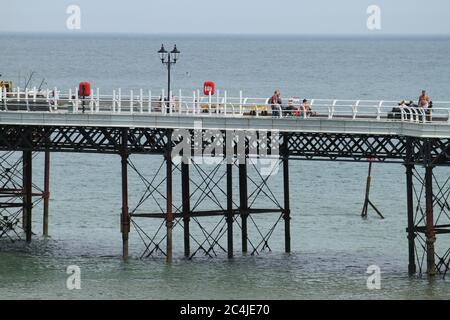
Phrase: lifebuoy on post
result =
(84, 89)
(209, 87)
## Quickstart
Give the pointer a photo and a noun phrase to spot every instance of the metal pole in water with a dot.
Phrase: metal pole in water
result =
(46, 195)
(186, 204)
(243, 203)
(125, 217)
(430, 233)
(287, 208)
(230, 215)
(169, 215)
(410, 207)
(27, 190)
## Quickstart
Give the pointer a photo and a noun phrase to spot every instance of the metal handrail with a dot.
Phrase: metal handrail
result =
(57, 101)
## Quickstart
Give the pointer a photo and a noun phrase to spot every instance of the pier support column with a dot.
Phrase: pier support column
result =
(230, 215)
(185, 191)
(125, 216)
(430, 233)
(410, 208)
(28, 193)
(169, 204)
(46, 195)
(243, 203)
(287, 208)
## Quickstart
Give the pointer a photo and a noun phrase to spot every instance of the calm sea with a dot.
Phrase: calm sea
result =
(332, 246)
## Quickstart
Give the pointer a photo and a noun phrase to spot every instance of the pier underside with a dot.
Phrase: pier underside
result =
(211, 202)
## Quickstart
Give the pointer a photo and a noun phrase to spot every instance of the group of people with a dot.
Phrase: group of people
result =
(424, 102)
(292, 109)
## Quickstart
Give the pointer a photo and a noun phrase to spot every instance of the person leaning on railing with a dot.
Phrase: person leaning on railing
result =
(275, 103)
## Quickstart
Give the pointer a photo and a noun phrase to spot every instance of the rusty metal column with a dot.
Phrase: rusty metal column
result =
(27, 191)
(243, 203)
(169, 204)
(125, 216)
(186, 205)
(230, 215)
(287, 208)
(46, 195)
(410, 206)
(430, 233)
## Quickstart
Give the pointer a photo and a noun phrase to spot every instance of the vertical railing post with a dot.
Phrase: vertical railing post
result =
(114, 101)
(131, 101)
(194, 101)
(119, 106)
(97, 104)
(240, 101)
(225, 101)
(210, 102)
(149, 101)
(141, 101)
(180, 102)
(91, 104)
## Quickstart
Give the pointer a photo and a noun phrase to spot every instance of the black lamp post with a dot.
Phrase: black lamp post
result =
(168, 58)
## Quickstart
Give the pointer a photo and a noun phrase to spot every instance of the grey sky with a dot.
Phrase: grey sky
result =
(228, 16)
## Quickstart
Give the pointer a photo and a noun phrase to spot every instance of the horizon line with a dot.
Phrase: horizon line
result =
(308, 35)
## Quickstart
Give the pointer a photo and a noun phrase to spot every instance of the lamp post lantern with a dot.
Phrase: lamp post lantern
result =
(168, 59)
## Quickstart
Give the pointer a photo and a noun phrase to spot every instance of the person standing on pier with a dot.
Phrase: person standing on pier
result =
(275, 103)
(424, 100)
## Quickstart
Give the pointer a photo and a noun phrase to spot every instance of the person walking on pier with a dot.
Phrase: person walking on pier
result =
(275, 103)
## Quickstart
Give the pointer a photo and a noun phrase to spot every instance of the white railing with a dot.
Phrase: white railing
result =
(219, 105)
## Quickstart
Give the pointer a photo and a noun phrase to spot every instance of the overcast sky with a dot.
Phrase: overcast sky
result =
(228, 16)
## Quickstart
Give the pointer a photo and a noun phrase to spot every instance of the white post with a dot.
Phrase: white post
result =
(180, 101)
(149, 101)
(225, 101)
(240, 101)
(69, 100)
(170, 102)
(26, 99)
(163, 106)
(141, 101)
(198, 101)
(114, 101)
(209, 102)
(119, 107)
(217, 102)
(131, 101)
(34, 94)
(97, 107)
(75, 109)
(55, 98)
(91, 104)
(18, 94)
(6, 98)
(193, 102)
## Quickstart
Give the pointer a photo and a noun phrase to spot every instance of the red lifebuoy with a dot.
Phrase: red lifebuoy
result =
(209, 87)
(84, 89)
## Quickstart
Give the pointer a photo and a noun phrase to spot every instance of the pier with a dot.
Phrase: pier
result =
(237, 130)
